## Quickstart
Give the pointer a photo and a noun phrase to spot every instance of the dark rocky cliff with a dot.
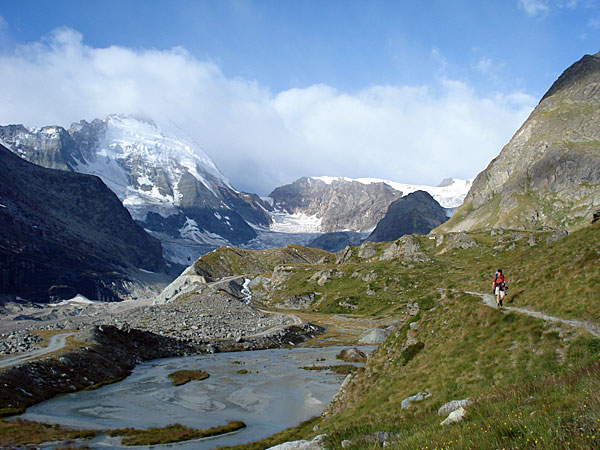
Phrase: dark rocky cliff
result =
(417, 213)
(63, 233)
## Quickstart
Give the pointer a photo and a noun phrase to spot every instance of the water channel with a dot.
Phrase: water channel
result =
(265, 389)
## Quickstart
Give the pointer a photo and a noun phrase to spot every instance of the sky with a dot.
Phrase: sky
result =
(412, 91)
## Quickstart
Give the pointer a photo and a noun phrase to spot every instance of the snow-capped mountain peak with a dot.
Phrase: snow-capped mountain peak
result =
(142, 164)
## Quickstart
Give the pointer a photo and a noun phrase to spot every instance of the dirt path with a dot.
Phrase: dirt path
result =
(56, 342)
(490, 300)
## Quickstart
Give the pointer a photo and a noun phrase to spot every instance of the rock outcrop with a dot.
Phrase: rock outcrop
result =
(406, 248)
(405, 404)
(548, 175)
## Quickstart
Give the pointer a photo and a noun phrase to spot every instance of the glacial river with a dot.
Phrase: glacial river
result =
(273, 395)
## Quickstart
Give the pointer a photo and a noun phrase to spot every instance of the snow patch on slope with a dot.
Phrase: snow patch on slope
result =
(295, 223)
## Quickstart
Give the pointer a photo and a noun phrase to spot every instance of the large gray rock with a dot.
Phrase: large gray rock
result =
(405, 404)
(406, 248)
(366, 250)
(374, 336)
(453, 405)
(454, 416)
(315, 444)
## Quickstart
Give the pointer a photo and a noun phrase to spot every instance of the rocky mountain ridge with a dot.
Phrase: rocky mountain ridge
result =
(548, 175)
(333, 204)
(64, 233)
(174, 190)
(168, 184)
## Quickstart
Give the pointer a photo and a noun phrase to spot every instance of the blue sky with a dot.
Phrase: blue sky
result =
(412, 91)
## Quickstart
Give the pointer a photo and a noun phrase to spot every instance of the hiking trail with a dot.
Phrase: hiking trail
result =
(490, 300)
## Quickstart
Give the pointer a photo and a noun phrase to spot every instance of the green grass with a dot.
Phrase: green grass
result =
(230, 261)
(103, 383)
(185, 376)
(342, 369)
(172, 434)
(462, 349)
(552, 412)
(20, 432)
(290, 434)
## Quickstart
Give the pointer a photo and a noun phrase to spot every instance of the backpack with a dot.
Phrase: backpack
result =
(500, 280)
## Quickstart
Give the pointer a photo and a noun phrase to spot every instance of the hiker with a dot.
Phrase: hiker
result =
(499, 287)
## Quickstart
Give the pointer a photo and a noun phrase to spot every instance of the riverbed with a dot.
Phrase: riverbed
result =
(267, 390)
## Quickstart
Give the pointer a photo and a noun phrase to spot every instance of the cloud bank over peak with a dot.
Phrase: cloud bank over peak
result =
(259, 138)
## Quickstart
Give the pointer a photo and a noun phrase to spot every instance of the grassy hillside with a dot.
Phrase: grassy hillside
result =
(230, 261)
(534, 384)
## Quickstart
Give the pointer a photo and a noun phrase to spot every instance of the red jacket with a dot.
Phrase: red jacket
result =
(499, 279)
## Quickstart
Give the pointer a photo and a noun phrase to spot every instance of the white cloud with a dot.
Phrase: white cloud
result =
(258, 138)
(484, 65)
(541, 8)
(534, 8)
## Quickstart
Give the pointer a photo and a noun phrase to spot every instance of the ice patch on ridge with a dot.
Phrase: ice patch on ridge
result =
(295, 223)
(191, 231)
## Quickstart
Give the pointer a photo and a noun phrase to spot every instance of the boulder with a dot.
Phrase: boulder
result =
(374, 336)
(321, 277)
(414, 398)
(454, 416)
(405, 248)
(315, 444)
(453, 405)
(352, 355)
(343, 255)
(366, 250)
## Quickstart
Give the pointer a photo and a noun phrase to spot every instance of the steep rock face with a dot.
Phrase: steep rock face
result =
(63, 233)
(417, 213)
(341, 204)
(164, 180)
(548, 175)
